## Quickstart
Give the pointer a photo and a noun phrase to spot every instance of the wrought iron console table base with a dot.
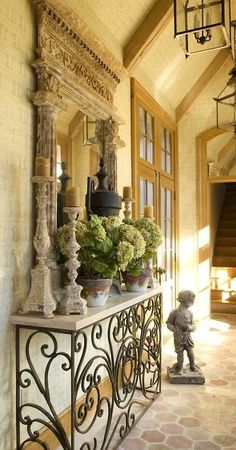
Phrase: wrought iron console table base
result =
(105, 365)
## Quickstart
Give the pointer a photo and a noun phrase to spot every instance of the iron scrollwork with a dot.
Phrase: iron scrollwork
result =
(114, 372)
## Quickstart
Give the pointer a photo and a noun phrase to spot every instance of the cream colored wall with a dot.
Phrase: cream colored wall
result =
(141, 74)
(200, 117)
(17, 41)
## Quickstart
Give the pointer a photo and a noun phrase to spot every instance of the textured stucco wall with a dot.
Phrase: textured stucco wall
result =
(17, 41)
(17, 81)
(199, 118)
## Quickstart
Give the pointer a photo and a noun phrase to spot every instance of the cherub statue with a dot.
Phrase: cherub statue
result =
(180, 321)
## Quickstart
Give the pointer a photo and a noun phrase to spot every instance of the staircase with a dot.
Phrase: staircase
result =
(223, 271)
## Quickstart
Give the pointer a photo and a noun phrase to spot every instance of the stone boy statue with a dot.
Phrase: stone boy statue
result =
(180, 321)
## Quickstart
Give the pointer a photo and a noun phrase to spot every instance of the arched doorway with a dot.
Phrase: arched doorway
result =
(204, 188)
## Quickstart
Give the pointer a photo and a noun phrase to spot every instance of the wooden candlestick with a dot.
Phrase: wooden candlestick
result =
(73, 302)
(127, 199)
(41, 298)
(128, 208)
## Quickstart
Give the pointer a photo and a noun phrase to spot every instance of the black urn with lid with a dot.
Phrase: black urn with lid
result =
(102, 201)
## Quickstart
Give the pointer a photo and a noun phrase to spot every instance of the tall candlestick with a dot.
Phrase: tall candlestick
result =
(72, 196)
(73, 302)
(41, 298)
(148, 211)
(42, 166)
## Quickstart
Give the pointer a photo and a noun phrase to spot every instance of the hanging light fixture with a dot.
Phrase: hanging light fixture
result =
(226, 100)
(202, 25)
(88, 130)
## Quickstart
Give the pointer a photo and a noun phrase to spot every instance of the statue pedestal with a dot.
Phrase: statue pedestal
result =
(186, 377)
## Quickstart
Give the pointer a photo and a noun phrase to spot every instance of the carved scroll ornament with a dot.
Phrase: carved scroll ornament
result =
(67, 47)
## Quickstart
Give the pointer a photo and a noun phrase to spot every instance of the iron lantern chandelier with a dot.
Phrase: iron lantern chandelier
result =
(202, 25)
(89, 126)
(226, 100)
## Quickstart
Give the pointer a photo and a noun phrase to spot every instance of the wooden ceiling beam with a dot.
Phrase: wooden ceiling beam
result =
(201, 83)
(151, 27)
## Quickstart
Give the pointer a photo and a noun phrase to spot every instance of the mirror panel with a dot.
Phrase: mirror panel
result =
(81, 157)
(72, 68)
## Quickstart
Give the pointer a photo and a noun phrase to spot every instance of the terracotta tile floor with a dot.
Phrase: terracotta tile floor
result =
(191, 416)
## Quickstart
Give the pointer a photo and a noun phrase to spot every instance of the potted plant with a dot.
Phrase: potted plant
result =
(107, 246)
(104, 250)
(137, 274)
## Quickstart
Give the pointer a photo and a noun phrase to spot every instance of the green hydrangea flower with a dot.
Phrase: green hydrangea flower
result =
(108, 244)
(125, 253)
(150, 232)
(131, 234)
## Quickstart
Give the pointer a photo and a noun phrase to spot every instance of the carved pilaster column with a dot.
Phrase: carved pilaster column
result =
(109, 141)
(48, 101)
(47, 147)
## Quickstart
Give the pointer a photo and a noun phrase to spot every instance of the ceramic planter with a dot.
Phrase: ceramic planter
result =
(96, 291)
(137, 283)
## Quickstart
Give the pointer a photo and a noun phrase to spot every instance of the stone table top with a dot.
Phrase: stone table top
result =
(76, 322)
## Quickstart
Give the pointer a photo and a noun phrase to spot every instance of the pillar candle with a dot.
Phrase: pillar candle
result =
(42, 166)
(72, 196)
(148, 211)
(127, 193)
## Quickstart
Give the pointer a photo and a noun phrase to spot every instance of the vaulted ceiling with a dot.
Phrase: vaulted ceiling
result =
(143, 29)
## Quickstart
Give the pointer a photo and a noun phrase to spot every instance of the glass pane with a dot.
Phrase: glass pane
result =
(143, 195)
(168, 163)
(168, 204)
(162, 137)
(163, 227)
(163, 202)
(169, 234)
(149, 127)
(142, 121)
(168, 266)
(150, 153)
(168, 141)
(150, 193)
(142, 151)
(166, 151)
(163, 160)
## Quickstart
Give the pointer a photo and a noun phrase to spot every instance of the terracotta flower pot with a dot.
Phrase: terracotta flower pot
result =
(96, 291)
(137, 283)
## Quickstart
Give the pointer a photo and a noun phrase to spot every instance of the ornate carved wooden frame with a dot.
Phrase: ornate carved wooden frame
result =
(72, 66)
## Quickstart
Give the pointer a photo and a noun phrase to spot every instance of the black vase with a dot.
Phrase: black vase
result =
(102, 201)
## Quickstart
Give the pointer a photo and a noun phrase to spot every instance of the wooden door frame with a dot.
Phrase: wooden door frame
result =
(139, 96)
(203, 184)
